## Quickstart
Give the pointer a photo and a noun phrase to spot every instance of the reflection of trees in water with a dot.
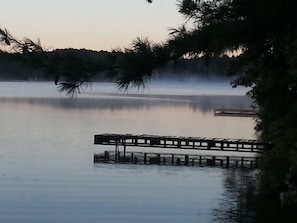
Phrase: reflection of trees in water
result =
(208, 103)
(239, 198)
(119, 102)
(242, 201)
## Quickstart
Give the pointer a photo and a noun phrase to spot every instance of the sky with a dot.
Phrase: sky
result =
(90, 24)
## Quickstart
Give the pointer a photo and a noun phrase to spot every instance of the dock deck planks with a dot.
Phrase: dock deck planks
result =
(196, 143)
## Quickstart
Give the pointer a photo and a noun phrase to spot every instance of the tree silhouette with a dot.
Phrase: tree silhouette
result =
(16, 45)
(263, 35)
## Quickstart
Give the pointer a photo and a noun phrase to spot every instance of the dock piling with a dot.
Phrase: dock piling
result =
(186, 160)
(144, 158)
(175, 159)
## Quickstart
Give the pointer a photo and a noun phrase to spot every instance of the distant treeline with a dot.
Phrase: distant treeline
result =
(16, 66)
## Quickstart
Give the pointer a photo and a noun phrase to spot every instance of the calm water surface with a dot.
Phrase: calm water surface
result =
(46, 158)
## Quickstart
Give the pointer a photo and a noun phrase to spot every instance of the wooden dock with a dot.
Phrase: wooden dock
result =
(175, 146)
(195, 143)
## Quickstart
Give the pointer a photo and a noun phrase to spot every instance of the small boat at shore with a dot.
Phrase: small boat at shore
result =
(236, 112)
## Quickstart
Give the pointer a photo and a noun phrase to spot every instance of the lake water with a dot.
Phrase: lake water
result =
(47, 172)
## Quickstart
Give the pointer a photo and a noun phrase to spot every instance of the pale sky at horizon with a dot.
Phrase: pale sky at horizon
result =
(90, 24)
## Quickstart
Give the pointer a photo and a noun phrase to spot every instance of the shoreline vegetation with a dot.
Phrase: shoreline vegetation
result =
(14, 67)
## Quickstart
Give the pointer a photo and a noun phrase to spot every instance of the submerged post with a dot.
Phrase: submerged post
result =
(116, 151)
(106, 156)
(132, 157)
(186, 160)
(145, 158)
(124, 150)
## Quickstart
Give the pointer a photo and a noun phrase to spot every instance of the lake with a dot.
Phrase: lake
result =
(47, 172)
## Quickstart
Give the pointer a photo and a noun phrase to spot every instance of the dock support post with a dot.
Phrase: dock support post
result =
(186, 160)
(106, 155)
(124, 150)
(177, 161)
(242, 160)
(132, 156)
(145, 157)
(212, 161)
(172, 159)
(256, 162)
(227, 161)
(119, 156)
(116, 158)
(200, 160)
(135, 160)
